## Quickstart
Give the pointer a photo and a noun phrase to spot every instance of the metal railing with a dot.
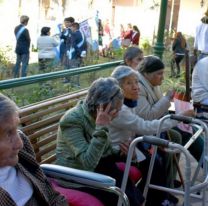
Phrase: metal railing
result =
(12, 83)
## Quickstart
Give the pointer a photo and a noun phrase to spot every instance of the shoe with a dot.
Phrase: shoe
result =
(177, 183)
(167, 203)
(173, 199)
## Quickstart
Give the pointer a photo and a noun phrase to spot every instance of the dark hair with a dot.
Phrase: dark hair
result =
(69, 19)
(76, 25)
(131, 53)
(45, 30)
(136, 29)
(150, 64)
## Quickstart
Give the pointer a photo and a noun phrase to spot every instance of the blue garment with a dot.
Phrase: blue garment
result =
(24, 59)
(65, 44)
(23, 42)
(78, 44)
(22, 50)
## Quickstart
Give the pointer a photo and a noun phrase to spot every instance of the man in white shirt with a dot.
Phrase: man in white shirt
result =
(199, 82)
(201, 38)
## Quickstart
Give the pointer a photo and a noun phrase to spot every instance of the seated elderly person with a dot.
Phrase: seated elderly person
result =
(152, 104)
(133, 56)
(83, 139)
(127, 125)
(22, 182)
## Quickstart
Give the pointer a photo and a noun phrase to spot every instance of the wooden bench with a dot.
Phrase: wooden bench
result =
(39, 122)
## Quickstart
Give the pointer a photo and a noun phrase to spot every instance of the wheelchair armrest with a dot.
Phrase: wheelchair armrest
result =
(79, 176)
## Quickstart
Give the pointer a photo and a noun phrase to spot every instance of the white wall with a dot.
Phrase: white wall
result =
(140, 15)
(189, 16)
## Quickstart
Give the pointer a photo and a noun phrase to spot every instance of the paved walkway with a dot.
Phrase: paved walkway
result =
(199, 179)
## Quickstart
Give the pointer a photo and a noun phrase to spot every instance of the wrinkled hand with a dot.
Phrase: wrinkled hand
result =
(104, 116)
(189, 113)
(124, 148)
(170, 94)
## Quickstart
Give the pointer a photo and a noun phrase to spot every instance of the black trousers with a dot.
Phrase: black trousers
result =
(108, 167)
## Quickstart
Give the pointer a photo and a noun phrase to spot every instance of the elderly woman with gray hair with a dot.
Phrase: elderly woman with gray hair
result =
(152, 104)
(83, 139)
(22, 182)
(127, 125)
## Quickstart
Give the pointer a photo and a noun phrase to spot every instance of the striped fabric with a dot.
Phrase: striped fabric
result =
(43, 193)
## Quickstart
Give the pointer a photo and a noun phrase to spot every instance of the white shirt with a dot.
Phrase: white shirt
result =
(46, 47)
(16, 184)
(200, 81)
(201, 38)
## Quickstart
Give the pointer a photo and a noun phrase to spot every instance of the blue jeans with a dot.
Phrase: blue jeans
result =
(24, 59)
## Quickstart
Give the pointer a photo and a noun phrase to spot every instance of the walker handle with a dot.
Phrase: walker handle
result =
(156, 141)
(181, 118)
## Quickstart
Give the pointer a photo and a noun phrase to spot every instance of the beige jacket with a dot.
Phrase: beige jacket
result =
(151, 103)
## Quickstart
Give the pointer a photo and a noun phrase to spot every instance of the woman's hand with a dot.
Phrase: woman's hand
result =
(170, 94)
(104, 116)
(124, 148)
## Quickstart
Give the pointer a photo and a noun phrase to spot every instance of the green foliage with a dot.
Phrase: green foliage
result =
(5, 62)
(178, 84)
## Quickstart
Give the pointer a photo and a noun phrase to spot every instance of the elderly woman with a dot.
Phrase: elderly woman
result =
(127, 125)
(83, 139)
(152, 104)
(133, 56)
(22, 182)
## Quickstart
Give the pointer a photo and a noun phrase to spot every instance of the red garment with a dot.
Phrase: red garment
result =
(128, 34)
(135, 38)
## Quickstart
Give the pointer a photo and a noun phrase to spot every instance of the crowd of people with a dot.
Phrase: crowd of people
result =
(68, 47)
(97, 132)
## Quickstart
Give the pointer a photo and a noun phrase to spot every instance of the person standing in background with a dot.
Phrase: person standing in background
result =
(127, 36)
(46, 49)
(66, 39)
(201, 38)
(135, 36)
(77, 50)
(22, 47)
(179, 49)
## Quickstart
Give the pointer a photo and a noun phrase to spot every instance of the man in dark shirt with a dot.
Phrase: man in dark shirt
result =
(22, 47)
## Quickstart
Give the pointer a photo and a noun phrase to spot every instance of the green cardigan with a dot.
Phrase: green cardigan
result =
(80, 143)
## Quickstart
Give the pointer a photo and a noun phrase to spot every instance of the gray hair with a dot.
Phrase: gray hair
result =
(102, 91)
(120, 72)
(7, 107)
(131, 53)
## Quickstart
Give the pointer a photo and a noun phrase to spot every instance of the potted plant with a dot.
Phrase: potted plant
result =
(179, 85)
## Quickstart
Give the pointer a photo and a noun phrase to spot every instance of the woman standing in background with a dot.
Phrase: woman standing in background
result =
(178, 48)
(46, 49)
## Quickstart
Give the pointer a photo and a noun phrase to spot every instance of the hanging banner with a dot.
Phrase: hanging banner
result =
(85, 28)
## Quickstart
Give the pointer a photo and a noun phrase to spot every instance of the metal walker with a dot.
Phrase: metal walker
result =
(190, 186)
